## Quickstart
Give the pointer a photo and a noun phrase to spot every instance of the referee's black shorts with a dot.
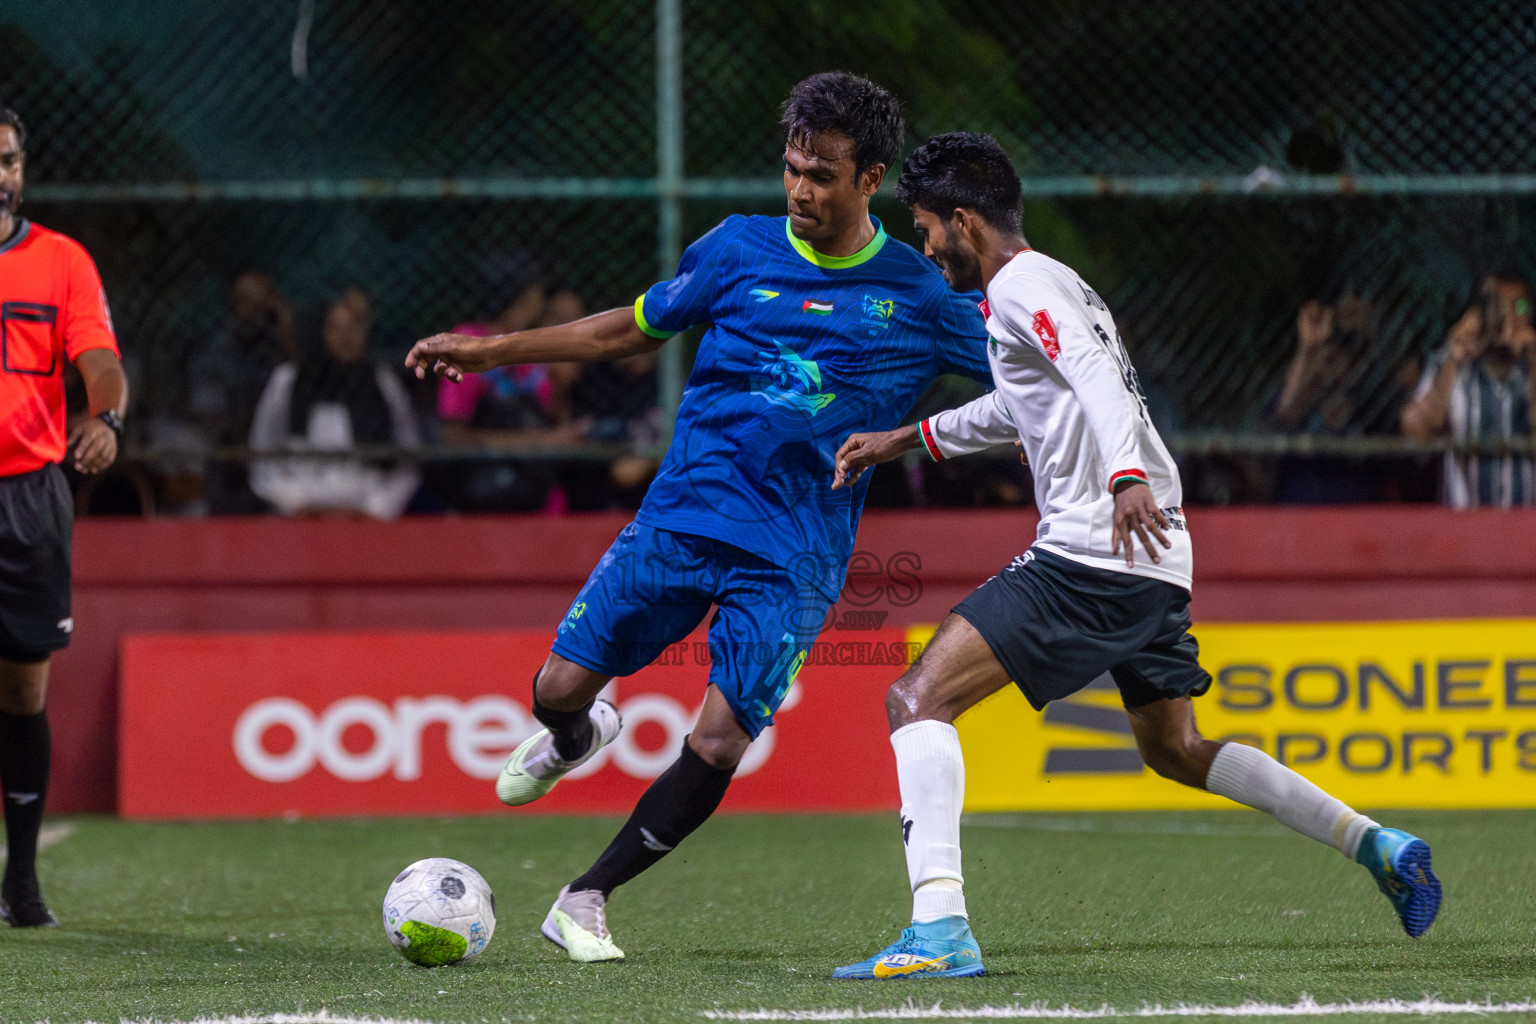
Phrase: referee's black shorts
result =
(36, 517)
(1056, 625)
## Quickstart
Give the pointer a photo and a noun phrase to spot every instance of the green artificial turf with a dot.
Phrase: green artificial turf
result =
(171, 922)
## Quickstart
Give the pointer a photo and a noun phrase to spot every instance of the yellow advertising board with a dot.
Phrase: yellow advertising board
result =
(1386, 714)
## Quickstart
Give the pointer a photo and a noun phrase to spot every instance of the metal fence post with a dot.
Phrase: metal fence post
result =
(669, 191)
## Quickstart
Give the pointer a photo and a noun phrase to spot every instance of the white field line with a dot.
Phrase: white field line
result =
(317, 1017)
(1306, 1007)
(50, 835)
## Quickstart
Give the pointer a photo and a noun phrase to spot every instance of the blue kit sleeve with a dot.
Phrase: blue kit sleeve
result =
(669, 307)
(963, 337)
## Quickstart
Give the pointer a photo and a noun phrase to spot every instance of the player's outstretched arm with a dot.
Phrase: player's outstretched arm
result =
(599, 337)
(861, 451)
(1136, 512)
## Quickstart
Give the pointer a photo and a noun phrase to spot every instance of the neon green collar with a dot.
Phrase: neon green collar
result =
(838, 262)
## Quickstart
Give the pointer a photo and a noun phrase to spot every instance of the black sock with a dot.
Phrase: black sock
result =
(680, 800)
(25, 750)
(572, 730)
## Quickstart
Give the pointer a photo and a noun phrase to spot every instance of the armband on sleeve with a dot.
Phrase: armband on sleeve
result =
(1137, 476)
(929, 443)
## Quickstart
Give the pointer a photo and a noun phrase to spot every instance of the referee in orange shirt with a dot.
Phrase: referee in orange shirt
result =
(52, 307)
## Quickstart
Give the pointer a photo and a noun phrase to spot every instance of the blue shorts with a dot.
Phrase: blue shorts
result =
(653, 587)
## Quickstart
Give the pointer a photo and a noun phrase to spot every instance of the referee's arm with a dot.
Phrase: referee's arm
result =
(94, 440)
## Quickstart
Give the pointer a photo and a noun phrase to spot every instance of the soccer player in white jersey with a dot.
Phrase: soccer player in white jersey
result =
(1104, 587)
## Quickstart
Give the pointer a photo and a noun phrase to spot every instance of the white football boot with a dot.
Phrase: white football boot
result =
(535, 767)
(576, 924)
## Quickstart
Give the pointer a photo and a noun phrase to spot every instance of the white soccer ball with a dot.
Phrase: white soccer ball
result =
(439, 911)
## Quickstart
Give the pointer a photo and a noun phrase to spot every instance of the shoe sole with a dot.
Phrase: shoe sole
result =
(1412, 868)
(971, 971)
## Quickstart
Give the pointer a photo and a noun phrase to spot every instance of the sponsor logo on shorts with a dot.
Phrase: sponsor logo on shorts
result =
(577, 611)
(66, 625)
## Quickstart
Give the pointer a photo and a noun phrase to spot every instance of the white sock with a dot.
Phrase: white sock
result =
(931, 771)
(1252, 777)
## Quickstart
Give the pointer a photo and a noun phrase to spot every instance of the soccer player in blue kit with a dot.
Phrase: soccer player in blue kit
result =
(821, 326)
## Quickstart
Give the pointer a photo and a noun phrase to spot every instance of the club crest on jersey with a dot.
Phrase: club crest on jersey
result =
(792, 380)
(1045, 329)
(878, 313)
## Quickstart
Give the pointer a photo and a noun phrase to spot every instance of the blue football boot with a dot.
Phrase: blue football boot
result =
(1400, 864)
(933, 949)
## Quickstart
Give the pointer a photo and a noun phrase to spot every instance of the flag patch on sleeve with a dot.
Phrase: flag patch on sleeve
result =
(1045, 329)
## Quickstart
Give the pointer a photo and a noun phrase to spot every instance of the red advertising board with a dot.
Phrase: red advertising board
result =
(251, 725)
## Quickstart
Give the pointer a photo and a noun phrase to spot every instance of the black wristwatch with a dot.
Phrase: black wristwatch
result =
(113, 420)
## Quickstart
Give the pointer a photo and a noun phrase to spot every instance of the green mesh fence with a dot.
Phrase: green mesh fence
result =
(1209, 167)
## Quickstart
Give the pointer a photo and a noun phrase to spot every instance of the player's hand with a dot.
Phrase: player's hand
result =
(1136, 513)
(864, 450)
(95, 445)
(861, 451)
(451, 356)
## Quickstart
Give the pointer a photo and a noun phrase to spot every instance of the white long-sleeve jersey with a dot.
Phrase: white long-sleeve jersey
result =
(1067, 390)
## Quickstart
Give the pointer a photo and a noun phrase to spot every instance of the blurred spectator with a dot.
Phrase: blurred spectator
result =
(1478, 389)
(1336, 386)
(1317, 396)
(335, 402)
(512, 408)
(618, 403)
(227, 375)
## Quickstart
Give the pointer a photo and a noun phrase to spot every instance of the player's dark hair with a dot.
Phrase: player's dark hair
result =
(835, 101)
(964, 169)
(10, 117)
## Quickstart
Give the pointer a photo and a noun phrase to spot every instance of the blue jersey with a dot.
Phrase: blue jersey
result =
(803, 350)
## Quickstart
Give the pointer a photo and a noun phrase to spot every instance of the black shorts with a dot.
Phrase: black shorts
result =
(1057, 625)
(36, 516)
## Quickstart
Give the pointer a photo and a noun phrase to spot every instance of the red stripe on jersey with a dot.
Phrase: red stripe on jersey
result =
(1138, 475)
(929, 442)
(1045, 328)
